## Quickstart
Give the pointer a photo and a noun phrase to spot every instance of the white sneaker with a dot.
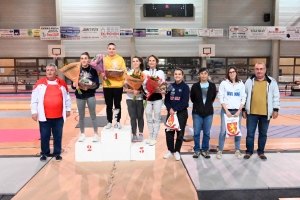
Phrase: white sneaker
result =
(168, 155)
(108, 126)
(238, 154)
(81, 137)
(177, 156)
(219, 155)
(118, 125)
(152, 142)
(95, 138)
(149, 140)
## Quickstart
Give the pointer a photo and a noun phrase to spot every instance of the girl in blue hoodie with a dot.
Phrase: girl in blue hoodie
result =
(177, 101)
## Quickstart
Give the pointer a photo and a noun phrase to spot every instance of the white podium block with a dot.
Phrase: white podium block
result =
(88, 151)
(116, 152)
(115, 137)
(142, 151)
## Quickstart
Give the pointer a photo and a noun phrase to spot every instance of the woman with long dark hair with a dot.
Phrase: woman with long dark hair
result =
(232, 97)
(134, 102)
(87, 74)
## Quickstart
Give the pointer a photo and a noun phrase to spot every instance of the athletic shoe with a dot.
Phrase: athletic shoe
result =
(152, 142)
(149, 140)
(247, 156)
(118, 125)
(43, 158)
(219, 155)
(134, 138)
(58, 158)
(81, 137)
(95, 138)
(140, 138)
(238, 154)
(205, 154)
(177, 156)
(196, 154)
(168, 155)
(108, 126)
(263, 157)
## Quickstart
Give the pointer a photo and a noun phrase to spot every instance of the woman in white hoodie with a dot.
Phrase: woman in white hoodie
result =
(232, 97)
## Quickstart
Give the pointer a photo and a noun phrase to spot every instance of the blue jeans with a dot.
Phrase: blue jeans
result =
(263, 124)
(222, 136)
(197, 124)
(56, 126)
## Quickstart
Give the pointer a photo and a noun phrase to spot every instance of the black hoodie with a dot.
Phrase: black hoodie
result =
(196, 97)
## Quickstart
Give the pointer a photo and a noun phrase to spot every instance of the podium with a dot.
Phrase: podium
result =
(114, 145)
(88, 151)
(142, 151)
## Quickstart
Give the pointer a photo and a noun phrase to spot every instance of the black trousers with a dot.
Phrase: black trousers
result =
(112, 96)
(182, 118)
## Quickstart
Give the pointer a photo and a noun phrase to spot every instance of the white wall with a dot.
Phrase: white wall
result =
(225, 13)
(16, 14)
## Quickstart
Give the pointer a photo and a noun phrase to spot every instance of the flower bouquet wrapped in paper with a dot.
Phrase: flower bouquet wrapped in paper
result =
(114, 71)
(135, 80)
(152, 86)
(72, 71)
(97, 64)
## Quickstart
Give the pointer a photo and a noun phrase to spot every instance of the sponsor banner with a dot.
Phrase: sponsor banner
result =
(7, 33)
(50, 33)
(109, 32)
(191, 32)
(214, 32)
(203, 32)
(126, 32)
(70, 33)
(177, 32)
(266, 33)
(139, 32)
(293, 33)
(159, 32)
(89, 33)
(238, 32)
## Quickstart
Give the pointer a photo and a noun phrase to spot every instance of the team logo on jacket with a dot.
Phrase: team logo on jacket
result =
(180, 90)
(232, 128)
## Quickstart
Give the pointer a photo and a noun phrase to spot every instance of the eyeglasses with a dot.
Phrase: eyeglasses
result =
(232, 72)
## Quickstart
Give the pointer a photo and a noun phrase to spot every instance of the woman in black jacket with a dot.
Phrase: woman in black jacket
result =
(203, 94)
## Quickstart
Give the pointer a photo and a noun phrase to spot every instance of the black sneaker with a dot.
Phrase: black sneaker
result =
(196, 154)
(58, 158)
(262, 156)
(43, 158)
(205, 154)
(247, 156)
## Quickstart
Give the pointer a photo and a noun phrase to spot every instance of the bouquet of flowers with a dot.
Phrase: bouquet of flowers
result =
(72, 71)
(114, 71)
(135, 80)
(97, 64)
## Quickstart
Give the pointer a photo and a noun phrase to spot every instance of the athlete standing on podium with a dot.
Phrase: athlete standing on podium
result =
(113, 93)
(135, 107)
(87, 96)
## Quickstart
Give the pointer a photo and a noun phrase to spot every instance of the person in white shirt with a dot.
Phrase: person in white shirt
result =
(232, 97)
(155, 101)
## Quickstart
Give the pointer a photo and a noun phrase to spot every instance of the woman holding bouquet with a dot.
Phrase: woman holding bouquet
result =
(177, 101)
(88, 83)
(232, 97)
(114, 64)
(134, 100)
(155, 101)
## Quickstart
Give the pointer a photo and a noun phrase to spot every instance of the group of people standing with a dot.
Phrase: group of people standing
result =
(257, 101)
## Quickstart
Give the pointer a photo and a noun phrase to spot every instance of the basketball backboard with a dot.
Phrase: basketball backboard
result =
(206, 50)
(56, 51)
